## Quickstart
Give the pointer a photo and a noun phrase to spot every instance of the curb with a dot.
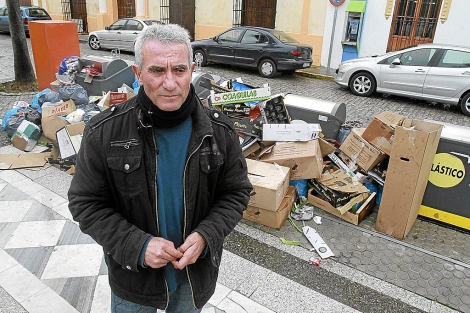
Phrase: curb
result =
(317, 76)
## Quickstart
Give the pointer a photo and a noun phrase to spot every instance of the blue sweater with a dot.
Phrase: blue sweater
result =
(172, 146)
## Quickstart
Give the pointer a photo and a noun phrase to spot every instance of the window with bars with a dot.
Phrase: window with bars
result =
(260, 13)
(165, 11)
(414, 22)
(75, 11)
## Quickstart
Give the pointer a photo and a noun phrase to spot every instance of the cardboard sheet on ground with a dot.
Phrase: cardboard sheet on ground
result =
(23, 160)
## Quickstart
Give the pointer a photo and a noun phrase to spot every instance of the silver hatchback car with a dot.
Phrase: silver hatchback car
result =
(120, 34)
(432, 72)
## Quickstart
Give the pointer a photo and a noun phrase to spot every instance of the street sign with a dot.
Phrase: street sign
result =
(336, 3)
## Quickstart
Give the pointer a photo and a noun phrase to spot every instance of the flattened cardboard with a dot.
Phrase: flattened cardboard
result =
(365, 209)
(413, 151)
(360, 151)
(24, 160)
(61, 109)
(380, 130)
(303, 158)
(272, 219)
(291, 132)
(270, 183)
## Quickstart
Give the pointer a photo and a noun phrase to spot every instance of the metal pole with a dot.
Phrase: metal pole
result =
(332, 37)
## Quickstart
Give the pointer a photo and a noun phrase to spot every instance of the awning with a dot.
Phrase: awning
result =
(356, 6)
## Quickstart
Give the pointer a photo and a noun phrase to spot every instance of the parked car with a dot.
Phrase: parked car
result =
(432, 72)
(28, 14)
(266, 49)
(120, 34)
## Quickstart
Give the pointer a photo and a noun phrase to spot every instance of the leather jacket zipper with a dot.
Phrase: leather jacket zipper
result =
(185, 208)
(125, 143)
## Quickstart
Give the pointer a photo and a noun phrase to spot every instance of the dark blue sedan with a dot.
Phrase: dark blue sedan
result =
(268, 50)
(28, 14)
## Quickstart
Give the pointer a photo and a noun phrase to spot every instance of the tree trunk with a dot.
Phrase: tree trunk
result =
(24, 72)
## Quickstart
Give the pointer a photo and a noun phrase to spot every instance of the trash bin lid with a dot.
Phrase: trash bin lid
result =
(454, 132)
(328, 107)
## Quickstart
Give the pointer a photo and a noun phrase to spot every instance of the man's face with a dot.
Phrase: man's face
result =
(165, 74)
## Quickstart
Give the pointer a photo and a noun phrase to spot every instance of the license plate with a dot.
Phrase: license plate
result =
(306, 65)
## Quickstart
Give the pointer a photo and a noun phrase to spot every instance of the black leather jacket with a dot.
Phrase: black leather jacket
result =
(113, 197)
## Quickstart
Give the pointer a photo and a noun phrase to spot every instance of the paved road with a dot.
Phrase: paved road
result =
(357, 108)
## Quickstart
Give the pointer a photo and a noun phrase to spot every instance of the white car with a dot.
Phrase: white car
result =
(120, 34)
(432, 72)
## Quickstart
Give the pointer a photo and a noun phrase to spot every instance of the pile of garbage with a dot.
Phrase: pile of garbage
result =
(298, 149)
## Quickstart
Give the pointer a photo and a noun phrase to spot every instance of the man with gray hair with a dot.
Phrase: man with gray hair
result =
(160, 181)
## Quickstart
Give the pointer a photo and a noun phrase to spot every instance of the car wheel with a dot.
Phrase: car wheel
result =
(267, 68)
(200, 58)
(362, 84)
(465, 104)
(94, 42)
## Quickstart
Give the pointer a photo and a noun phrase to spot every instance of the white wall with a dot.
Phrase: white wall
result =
(454, 30)
(375, 29)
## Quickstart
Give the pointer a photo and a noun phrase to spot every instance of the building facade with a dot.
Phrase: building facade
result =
(337, 30)
(381, 26)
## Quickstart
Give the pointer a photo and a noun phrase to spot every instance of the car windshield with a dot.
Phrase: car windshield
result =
(36, 12)
(151, 22)
(282, 36)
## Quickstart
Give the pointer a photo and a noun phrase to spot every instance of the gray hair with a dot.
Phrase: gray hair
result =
(166, 33)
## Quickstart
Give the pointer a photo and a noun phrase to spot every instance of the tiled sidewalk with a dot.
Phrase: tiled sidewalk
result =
(48, 265)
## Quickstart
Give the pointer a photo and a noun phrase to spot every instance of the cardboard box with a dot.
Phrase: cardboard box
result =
(26, 136)
(69, 139)
(338, 188)
(55, 85)
(291, 132)
(335, 198)
(380, 130)
(239, 109)
(113, 98)
(270, 183)
(326, 147)
(274, 219)
(414, 147)
(355, 218)
(241, 96)
(248, 125)
(303, 158)
(60, 109)
(360, 151)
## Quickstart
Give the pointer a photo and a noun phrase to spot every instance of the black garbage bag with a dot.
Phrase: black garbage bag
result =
(49, 96)
(345, 129)
(75, 92)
